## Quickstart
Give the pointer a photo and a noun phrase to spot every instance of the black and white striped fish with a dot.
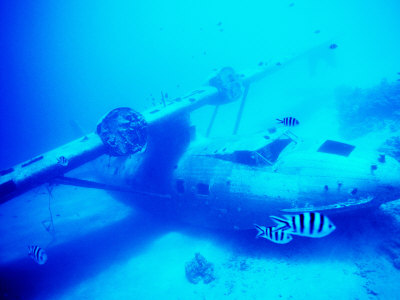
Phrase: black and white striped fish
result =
(37, 254)
(62, 161)
(289, 121)
(310, 224)
(278, 236)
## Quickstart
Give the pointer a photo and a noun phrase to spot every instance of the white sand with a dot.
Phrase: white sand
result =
(76, 212)
(159, 273)
(345, 265)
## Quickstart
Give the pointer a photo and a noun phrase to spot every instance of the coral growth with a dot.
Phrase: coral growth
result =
(362, 111)
(392, 147)
(392, 251)
(391, 247)
(199, 269)
(391, 211)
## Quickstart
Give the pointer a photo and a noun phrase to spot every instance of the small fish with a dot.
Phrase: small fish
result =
(37, 254)
(278, 236)
(260, 63)
(317, 31)
(289, 121)
(333, 46)
(62, 161)
(310, 224)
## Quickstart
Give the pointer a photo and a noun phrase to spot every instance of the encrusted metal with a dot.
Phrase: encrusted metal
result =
(123, 131)
(229, 85)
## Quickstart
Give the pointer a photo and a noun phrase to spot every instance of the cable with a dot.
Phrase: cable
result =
(50, 229)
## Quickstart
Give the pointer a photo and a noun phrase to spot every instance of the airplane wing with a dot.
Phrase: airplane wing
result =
(124, 131)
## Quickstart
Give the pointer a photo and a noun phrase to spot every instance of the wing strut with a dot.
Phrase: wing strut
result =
(214, 115)
(102, 186)
(241, 108)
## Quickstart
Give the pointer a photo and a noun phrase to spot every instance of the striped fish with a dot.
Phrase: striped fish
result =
(62, 161)
(310, 224)
(289, 121)
(278, 236)
(37, 254)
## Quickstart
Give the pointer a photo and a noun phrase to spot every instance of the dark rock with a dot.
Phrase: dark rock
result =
(199, 269)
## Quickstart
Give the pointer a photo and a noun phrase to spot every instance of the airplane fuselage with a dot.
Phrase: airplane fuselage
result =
(221, 193)
(237, 182)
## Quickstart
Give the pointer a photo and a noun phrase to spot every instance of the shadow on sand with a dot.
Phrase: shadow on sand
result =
(72, 262)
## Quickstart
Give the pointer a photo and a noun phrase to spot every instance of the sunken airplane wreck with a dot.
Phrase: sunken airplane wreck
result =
(228, 183)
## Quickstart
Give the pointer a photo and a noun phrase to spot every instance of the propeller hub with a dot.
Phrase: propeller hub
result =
(123, 131)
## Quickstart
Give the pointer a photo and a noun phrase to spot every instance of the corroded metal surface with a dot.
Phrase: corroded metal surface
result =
(123, 131)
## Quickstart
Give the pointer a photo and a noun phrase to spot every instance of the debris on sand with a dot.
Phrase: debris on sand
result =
(199, 269)
(333, 46)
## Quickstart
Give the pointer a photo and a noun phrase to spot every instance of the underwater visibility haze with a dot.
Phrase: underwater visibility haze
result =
(200, 150)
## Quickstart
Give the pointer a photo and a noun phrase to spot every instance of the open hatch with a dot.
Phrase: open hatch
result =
(338, 148)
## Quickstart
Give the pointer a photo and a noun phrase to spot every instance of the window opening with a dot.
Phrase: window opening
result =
(203, 189)
(180, 186)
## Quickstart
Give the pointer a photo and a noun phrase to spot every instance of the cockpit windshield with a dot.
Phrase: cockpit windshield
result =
(266, 155)
(271, 151)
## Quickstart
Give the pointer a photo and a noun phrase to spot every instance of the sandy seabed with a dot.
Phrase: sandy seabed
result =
(104, 249)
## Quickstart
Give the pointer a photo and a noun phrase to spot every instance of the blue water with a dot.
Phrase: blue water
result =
(76, 61)
(63, 65)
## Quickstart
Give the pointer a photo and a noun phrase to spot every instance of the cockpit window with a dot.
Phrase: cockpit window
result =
(271, 151)
(337, 148)
(266, 155)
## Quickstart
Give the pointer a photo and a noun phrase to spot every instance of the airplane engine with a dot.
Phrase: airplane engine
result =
(123, 131)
